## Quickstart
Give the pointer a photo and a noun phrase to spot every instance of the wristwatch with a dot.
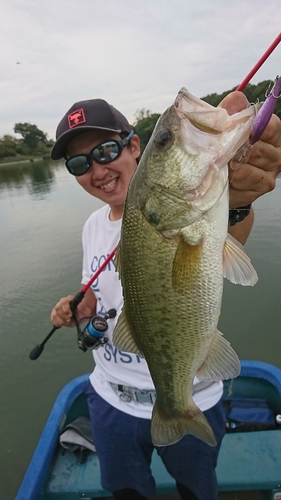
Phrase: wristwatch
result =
(238, 214)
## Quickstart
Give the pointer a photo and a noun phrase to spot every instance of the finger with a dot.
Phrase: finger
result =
(234, 102)
(248, 183)
(58, 320)
(272, 133)
(61, 313)
(266, 156)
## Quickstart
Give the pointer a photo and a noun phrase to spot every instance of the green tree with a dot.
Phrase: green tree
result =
(144, 125)
(31, 135)
(8, 146)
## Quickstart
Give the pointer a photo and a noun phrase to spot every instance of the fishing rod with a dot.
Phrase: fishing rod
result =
(37, 350)
(259, 63)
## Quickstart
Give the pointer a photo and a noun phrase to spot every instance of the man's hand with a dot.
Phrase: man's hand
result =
(258, 176)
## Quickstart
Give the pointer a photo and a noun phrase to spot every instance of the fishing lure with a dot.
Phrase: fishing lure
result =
(259, 125)
(266, 111)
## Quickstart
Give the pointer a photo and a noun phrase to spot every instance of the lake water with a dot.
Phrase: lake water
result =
(42, 213)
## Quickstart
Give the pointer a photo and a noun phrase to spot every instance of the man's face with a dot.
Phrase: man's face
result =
(107, 182)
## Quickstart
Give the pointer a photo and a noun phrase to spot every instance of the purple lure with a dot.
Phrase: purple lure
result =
(266, 111)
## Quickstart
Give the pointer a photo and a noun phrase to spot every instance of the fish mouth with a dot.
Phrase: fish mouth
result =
(202, 115)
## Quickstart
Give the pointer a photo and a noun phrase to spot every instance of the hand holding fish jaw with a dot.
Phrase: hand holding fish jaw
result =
(258, 176)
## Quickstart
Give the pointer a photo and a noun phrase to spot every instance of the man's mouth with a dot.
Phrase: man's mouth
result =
(110, 185)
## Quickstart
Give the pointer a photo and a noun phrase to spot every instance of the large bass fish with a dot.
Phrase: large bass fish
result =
(173, 255)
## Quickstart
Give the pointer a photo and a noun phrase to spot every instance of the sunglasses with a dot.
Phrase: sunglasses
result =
(103, 153)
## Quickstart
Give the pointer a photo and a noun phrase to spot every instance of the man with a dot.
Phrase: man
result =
(120, 390)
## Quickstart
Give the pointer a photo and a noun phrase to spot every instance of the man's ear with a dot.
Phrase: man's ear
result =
(135, 146)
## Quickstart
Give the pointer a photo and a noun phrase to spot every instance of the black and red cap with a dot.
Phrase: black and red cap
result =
(84, 116)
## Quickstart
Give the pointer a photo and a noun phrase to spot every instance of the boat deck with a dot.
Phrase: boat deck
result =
(236, 471)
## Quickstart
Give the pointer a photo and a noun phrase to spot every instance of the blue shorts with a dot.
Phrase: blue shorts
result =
(124, 448)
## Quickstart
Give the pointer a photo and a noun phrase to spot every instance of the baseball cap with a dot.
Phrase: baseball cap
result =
(84, 116)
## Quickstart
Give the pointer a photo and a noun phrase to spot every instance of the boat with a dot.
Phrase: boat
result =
(249, 460)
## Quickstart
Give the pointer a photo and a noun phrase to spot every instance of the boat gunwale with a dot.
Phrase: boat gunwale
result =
(36, 473)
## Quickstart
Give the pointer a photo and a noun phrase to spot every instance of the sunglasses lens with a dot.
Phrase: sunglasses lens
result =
(103, 153)
(106, 152)
(78, 165)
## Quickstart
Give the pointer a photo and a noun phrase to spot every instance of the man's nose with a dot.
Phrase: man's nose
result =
(97, 170)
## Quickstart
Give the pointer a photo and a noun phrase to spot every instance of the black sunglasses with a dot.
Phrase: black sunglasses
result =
(103, 153)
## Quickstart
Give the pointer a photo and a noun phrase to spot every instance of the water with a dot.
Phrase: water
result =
(42, 212)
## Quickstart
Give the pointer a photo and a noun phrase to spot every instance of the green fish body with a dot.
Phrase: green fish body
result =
(173, 255)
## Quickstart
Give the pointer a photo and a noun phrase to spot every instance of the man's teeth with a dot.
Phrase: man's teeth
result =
(110, 185)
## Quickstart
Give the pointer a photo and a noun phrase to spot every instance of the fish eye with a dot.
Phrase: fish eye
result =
(163, 138)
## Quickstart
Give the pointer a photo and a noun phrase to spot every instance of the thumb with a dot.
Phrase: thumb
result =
(234, 102)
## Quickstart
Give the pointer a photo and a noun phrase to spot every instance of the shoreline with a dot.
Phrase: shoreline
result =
(28, 160)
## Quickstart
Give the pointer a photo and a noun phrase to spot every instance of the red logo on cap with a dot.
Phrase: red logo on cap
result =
(76, 118)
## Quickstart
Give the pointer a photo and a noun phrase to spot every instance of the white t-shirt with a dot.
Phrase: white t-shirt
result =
(100, 237)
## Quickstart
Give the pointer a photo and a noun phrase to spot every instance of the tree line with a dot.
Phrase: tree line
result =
(35, 142)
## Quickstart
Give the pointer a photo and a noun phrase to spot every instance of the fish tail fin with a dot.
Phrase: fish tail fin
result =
(166, 429)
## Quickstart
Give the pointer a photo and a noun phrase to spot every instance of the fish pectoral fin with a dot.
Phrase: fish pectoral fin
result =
(185, 264)
(123, 338)
(221, 362)
(237, 266)
(167, 429)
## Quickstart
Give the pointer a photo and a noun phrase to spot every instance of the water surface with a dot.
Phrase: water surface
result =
(42, 213)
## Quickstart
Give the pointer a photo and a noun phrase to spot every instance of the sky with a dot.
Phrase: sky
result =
(136, 54)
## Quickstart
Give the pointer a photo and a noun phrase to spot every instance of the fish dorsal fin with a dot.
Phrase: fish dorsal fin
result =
(221, 362)
(237, 266)
(185, 264)
(122, 336)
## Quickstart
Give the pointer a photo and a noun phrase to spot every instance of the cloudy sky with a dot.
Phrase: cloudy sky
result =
(133, 53)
